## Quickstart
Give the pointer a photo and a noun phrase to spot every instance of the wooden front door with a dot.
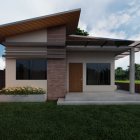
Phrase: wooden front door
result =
(75, 77)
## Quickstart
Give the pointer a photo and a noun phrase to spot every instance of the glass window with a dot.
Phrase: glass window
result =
(38, 68)
(22, 69)
(98, 74)
(35, 69)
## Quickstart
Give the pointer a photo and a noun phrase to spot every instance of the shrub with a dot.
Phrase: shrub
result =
(22, 91)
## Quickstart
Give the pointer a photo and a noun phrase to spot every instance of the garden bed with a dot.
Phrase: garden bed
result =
(22, 94)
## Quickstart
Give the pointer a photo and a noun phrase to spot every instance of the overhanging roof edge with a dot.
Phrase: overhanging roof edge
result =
(39, 17)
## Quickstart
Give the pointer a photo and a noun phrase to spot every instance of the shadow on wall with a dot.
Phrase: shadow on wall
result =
(2, 79)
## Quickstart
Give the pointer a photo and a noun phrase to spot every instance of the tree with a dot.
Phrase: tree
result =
(120, 74)
(137, 71)
(81, 32)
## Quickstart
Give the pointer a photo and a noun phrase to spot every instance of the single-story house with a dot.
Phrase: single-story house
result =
(43, 52)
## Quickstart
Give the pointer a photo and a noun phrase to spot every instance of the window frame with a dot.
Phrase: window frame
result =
(30, 77)
(99, 83)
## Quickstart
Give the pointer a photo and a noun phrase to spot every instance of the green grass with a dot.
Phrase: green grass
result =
(38, 121)
(127, 81)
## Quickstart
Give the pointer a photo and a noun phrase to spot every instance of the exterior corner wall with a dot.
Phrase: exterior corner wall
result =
(56, 83)
(11, 77)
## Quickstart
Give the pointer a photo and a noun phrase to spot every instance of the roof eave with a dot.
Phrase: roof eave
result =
(68, 18)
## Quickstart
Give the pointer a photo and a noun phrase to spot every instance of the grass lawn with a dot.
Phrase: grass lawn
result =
(38, 121)
(127, 81)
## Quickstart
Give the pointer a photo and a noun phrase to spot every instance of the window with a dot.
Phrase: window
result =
(98, 74)
(35, 69)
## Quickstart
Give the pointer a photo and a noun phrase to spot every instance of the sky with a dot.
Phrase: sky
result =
(101, 18)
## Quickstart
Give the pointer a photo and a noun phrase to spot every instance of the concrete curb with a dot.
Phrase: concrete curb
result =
(23, 98)
(62, 101)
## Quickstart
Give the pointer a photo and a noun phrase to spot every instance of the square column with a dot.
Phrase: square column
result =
(56, 79)
(56, 62)
(132, 71)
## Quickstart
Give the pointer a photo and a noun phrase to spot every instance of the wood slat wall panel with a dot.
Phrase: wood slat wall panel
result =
(56, 35)
(56, 38)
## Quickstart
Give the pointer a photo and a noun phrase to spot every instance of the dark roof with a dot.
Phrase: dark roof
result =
(68, 18)
(97, 41)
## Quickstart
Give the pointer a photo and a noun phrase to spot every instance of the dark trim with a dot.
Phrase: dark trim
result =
(33, 44)
(10, 44)
(97, 42)
(137, 45)
(92, 38)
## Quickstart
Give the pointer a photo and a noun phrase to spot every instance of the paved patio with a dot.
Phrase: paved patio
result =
(116, 97)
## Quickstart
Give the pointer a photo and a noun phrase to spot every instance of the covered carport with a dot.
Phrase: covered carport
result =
(121, 48)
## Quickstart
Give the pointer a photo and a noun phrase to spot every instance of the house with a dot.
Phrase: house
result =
(43, 52)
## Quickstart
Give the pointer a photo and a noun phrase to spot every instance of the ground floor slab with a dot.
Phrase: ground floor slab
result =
(116, 97)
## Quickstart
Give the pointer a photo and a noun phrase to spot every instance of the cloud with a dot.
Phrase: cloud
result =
(113, 22)
(107, 27)
(2, 63)
(102, 18)
(121, 24)
(22, 9)
(123, 62)
(110, 25)
(108, 34)
(135, 37)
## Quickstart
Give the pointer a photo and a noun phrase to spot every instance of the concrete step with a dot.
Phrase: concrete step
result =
(62, 101)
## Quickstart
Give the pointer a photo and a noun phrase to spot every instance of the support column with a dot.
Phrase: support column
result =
(56, 62)
(56, 79)
(132, 71)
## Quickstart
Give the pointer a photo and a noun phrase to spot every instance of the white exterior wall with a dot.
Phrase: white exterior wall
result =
(11, 77)
(36, 36)
(92, 57)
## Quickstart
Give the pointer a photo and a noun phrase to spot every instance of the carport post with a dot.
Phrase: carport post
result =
(132, 71)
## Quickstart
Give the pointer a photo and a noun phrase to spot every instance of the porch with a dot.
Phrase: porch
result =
(100, 98)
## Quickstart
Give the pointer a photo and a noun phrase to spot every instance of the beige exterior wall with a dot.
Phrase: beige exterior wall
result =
(36, 36)
(11, 77)
(92, 57)
(72, 57)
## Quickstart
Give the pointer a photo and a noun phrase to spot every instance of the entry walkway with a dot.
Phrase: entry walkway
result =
(100, 98)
